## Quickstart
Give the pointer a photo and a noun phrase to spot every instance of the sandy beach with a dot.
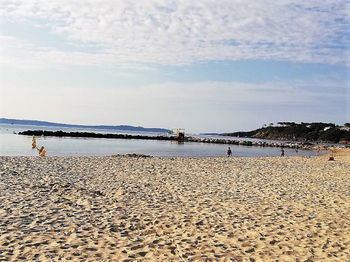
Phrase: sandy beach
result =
(175, 209)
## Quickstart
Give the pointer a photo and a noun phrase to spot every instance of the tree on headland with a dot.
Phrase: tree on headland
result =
(311, 132)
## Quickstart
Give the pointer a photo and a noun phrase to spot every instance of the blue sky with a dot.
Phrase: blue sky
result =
(206, 66)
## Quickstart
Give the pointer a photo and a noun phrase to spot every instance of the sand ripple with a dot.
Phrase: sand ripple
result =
(174, 209)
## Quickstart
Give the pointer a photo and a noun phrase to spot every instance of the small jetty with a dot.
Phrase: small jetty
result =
(178, 137)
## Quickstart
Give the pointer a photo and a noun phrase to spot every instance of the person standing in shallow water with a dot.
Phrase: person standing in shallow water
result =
(229, 152)
(282, 152)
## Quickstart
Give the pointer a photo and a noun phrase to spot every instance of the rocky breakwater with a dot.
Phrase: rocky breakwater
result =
(95, 135)
(300, 145)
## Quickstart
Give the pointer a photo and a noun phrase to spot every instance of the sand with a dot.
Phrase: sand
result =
(175, 209)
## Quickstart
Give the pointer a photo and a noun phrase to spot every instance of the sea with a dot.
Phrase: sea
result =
(13, 144)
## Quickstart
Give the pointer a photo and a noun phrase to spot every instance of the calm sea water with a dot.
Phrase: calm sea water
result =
(12, 144)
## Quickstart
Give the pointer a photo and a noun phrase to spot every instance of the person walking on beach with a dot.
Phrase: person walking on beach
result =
(282, 152)
(229, 152)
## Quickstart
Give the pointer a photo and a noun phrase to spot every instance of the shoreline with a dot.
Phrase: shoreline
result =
(262, 143)
(323, 152)
(122, 208)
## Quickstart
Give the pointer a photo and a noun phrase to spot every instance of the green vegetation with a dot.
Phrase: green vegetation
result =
(310, 132)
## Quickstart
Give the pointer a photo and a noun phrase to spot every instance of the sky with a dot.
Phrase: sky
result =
(206, 65)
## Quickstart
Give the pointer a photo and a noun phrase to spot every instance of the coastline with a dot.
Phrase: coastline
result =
(259, 143)
(123, 208)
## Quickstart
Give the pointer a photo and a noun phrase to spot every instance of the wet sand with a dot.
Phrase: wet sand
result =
(175, 209)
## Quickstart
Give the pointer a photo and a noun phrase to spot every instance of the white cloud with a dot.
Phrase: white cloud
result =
(182, 32)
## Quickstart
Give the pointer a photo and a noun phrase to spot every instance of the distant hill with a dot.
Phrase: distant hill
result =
(310, 132)
(50, 124)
